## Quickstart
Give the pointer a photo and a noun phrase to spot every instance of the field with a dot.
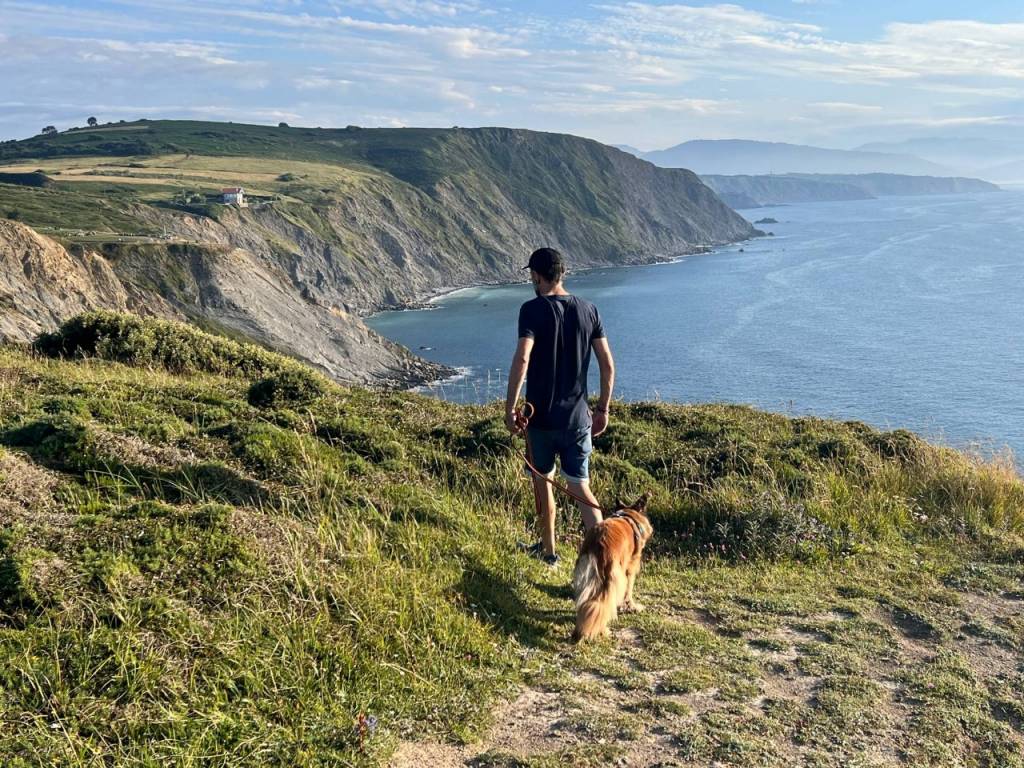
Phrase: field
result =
(211, 556)
(92, 197)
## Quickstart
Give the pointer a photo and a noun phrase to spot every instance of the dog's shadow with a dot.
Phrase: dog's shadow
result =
(497, 602)
(559, 591)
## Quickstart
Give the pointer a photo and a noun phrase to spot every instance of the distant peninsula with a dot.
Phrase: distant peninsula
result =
(758, 191)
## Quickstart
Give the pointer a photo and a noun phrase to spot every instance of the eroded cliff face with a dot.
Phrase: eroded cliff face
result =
(41, 283)
(382, 242)
(232, 290)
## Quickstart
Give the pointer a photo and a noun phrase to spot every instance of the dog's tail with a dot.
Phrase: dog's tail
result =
(595, 597)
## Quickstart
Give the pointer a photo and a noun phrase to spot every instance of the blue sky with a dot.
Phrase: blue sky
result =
(831, 72)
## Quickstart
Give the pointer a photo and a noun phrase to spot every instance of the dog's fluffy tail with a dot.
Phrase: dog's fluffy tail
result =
(595, 597)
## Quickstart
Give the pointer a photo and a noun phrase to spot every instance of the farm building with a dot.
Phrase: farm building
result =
(233, 196)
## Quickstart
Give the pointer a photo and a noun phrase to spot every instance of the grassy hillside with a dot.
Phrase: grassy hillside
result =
(552, 177)
(212, 556)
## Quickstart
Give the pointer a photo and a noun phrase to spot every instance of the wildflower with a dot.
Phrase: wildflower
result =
(366, 725)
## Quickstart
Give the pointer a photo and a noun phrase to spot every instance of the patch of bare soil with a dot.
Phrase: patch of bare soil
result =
(526, 727)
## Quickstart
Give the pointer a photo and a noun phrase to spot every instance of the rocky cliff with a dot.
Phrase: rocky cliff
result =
(43, 283)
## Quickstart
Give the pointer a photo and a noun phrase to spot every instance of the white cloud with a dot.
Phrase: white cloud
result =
(844, 107)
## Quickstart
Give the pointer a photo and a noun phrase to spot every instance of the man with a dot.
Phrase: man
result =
(557, 332)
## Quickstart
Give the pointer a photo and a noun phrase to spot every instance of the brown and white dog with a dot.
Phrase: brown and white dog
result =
(606, 569)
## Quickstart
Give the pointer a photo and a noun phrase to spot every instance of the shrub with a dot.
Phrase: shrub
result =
(292, 388)
(151, 343)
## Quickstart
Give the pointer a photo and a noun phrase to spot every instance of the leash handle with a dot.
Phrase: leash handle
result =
(522, 418)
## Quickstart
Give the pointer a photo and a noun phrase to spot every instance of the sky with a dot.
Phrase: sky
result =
(834, 73)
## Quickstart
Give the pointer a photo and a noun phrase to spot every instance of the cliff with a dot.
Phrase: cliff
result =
(228, 290)
(345, 222)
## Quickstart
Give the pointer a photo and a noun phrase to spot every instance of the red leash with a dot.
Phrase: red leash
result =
(522, 421)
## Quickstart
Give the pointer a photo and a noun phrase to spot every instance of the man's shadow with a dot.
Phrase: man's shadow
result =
(497, 602)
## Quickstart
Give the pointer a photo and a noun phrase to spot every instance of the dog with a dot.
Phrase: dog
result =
(606, 569)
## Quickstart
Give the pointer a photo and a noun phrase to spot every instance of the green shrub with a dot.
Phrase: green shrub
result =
(738, 525)
(151, 343)
(290, 388)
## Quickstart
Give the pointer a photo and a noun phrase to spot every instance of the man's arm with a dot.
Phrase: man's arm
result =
(516, 376)
(607, 366)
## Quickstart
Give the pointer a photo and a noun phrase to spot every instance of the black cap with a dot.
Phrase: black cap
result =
(546, 261)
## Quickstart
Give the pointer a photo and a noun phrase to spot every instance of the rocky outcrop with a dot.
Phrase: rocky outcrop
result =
(42, 284)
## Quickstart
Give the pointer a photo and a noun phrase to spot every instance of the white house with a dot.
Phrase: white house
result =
(233, 196)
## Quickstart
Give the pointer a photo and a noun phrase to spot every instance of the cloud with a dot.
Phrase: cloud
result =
(411, 8)
(843, 107)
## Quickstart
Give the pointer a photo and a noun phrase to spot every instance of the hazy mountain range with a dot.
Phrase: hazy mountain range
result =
(996, 160)
(738, 156)
(743, 191)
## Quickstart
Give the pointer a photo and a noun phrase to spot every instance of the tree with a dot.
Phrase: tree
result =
(282, 125)
(49, 130)
(92, 121)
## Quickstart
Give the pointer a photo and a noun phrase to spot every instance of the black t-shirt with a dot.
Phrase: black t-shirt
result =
(562, 329)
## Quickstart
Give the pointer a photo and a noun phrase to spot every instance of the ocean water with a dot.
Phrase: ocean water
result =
(900, 312)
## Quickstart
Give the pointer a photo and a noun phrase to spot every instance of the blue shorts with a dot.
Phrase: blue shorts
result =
(572, 446)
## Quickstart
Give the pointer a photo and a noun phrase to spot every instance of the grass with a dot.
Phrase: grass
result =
(189, 578)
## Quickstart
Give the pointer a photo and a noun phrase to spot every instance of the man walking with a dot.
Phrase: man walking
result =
(557, 332)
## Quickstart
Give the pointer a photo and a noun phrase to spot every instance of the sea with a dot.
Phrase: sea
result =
(902, 312)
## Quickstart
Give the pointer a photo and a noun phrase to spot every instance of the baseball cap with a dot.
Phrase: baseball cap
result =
(545, 260)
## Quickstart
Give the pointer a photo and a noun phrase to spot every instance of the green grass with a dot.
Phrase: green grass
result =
(187, 578)
(66, 207)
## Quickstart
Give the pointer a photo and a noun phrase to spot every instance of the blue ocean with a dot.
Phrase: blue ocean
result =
(900, 312)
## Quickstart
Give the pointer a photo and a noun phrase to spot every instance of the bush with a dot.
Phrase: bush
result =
(151, 343)
(291, 388)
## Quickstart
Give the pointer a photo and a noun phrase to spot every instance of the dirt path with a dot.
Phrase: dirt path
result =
(774, 680)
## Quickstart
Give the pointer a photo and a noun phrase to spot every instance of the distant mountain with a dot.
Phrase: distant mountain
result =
(737, 156)
(757, 191)
(627, 148)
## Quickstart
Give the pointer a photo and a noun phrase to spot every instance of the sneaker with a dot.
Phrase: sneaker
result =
(533, 550)
(551, 561)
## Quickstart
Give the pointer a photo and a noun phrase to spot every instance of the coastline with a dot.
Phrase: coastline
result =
(430, 300)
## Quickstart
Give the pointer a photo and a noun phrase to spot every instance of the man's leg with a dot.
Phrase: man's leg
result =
(591, 516)
(542, 454)
(576, 471)
(545, 497)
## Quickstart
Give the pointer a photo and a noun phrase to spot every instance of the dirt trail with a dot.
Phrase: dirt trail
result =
(823, 689)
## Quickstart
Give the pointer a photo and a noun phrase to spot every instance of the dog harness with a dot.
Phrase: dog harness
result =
(638, 528)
